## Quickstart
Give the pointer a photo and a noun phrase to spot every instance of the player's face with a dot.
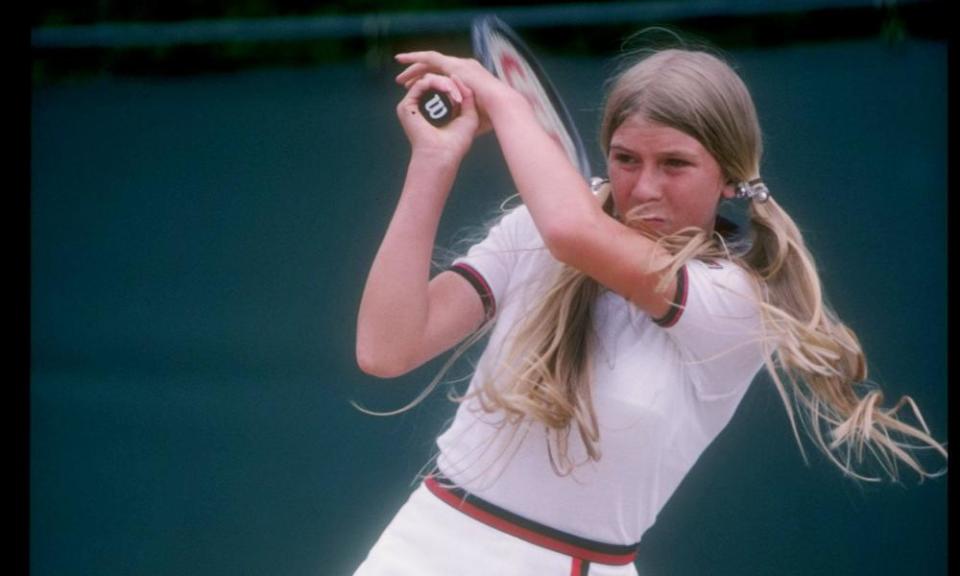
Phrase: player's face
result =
(666, 174)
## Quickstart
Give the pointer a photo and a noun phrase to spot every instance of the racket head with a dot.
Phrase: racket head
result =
(506, 56)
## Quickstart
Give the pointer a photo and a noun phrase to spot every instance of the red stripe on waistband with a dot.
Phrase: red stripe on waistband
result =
(530, 531)
(579, 567)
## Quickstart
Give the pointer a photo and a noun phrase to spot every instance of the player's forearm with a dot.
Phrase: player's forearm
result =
(394, 307)
(556, 194)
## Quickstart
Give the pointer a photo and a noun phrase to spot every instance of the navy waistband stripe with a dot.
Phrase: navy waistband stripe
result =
(516, 519)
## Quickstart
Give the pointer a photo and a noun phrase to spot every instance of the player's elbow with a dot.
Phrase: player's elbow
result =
(380, 364)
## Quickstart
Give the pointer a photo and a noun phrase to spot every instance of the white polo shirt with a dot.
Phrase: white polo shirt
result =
(661, 393)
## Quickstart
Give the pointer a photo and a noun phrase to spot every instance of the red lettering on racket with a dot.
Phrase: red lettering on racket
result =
(516, 76)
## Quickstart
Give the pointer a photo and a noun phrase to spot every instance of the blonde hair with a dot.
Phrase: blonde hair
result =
(816, 364)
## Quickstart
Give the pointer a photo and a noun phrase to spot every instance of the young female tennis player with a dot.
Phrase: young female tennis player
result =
(625, 323)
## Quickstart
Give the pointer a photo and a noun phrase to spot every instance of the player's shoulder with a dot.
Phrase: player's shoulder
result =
(719, 264)
(519, 222)
(721, 271)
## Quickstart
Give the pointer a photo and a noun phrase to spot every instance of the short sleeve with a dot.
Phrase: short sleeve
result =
(488, 265)
(718, 327)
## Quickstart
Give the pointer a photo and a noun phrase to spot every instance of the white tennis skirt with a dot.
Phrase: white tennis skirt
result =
(443, 531)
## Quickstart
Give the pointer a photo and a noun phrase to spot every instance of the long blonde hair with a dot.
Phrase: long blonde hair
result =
(816, 363)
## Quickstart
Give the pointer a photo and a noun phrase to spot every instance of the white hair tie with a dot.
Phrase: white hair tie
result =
(753, 190)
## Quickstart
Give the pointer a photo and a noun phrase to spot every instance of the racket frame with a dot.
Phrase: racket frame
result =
(481, 30)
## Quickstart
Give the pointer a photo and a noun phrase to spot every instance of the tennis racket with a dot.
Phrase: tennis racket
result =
(508, 58)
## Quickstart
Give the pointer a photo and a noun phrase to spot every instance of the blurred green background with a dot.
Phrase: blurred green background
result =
(203, 217)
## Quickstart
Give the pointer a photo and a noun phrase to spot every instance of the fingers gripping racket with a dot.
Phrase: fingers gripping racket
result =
(508, 58)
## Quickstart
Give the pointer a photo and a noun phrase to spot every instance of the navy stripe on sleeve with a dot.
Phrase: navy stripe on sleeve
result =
(480, 285)
(679, 301)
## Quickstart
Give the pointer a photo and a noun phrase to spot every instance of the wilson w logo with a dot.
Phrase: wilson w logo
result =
(436, 108)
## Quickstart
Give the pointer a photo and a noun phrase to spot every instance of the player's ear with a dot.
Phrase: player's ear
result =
(729, 190)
